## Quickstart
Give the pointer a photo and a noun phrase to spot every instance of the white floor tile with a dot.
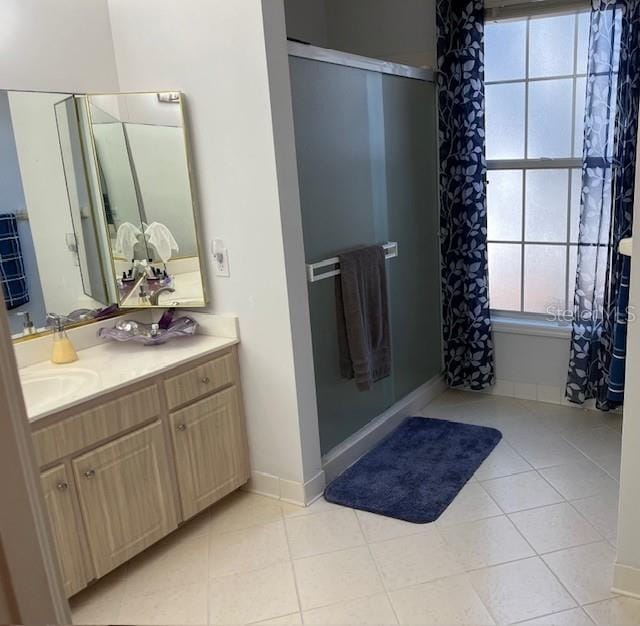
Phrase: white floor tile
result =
(565, 419)
(447, 601)
(413, 560)
(336, 577)
(610, 464)
(286, 620)
(374, 610)
(503, 461)
(486, 542)
(184, 604)
(319, 506)
(100, 603)
(579, 480)
(544, 449)
(573, 617)
(597, 443)
(554, 527)
(180, 559)
(472, 503)
(487, 410)
(619, 611)
(613, 421)
(323, 532)
(249, 549)
(241, 510)
(587, 571)
(380, 528)
(519, 591)
(253, 596)
(601, 511)
(521, 491)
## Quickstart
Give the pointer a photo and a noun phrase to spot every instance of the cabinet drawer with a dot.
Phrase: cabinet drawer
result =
(90, 427)
(200, 381)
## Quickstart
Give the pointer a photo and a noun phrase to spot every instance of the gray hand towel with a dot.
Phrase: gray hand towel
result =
(363, 316)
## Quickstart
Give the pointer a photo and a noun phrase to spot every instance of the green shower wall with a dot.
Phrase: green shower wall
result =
(366, 146)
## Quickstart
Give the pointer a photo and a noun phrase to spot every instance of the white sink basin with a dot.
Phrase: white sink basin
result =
(55, 386)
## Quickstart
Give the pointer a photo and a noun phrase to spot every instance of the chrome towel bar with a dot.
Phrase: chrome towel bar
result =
(390, 251)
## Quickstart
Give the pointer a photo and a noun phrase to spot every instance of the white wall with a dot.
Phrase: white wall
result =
(627, 570)
(404, 32)
(56, 46)
(531, 365)
(236, 89)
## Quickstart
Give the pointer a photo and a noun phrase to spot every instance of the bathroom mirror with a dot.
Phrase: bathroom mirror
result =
(53, 247)
(141, 152)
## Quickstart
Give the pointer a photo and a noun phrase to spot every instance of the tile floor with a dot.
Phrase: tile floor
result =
(529, 540)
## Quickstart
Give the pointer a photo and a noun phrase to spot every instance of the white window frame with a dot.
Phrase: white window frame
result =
(527, 164)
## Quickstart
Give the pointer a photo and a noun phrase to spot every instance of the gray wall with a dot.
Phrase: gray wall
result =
(366, 148)
(403, 32)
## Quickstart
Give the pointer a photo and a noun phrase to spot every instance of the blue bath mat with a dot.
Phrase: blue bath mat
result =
(416, 471)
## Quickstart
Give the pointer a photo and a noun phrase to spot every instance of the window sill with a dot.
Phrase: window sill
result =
(531, 327)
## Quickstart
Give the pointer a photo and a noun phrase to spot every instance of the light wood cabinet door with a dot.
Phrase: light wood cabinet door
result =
(210, 449)
(125, 496)
(68, 534)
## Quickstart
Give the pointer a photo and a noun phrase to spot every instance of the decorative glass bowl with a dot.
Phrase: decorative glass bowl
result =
(150, 334)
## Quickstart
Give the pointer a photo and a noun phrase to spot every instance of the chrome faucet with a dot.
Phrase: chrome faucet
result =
(153, 298)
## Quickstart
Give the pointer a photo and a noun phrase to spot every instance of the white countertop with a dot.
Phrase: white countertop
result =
(103, 368)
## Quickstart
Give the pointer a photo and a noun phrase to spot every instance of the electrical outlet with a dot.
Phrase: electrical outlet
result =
(220, 258)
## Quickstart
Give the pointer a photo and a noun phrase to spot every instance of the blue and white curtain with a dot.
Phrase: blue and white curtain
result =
(468, 342)
(608, 173)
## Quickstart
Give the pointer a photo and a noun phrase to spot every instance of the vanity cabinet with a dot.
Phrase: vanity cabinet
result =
(125, 496)
(122, 471)
(67, 532)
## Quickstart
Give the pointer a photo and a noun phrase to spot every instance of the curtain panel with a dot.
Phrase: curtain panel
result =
(467, 334)
(606, 216)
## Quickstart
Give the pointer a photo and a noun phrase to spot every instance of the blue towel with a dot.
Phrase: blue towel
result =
(615, 393)
(12, 275)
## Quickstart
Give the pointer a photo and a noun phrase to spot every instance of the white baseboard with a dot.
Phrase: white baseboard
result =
(542, 393)
(626, 580)
(301, 494)
(349, 451)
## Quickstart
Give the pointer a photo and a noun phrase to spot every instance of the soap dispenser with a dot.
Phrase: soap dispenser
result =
(63, 350)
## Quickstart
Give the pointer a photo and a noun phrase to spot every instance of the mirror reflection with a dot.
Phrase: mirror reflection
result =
(53, 252)
(145, 187)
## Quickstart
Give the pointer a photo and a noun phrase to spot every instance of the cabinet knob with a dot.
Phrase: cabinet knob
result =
(181, 427)
(89, 473)
(206, 380)
(62, 486)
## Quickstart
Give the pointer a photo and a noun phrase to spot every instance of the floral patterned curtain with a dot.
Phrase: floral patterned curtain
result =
(608, 172)
(468, 341)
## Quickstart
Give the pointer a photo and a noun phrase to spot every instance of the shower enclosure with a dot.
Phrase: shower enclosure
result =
(367, 159)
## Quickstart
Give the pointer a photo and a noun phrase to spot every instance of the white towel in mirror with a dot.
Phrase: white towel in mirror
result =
(160, 237)
(126, 239)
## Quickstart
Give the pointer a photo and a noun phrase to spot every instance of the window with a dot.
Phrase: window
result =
(535, 72)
